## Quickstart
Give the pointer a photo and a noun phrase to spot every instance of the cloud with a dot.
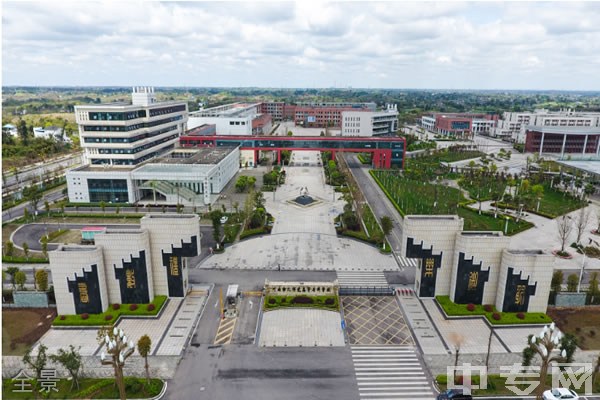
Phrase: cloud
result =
(394, 44)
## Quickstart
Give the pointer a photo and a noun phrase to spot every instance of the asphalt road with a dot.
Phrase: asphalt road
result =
(17, 211)
(35, 171)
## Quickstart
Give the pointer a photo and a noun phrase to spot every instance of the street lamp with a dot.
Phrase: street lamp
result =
(118, 349)
(582, 266)
(544, 344)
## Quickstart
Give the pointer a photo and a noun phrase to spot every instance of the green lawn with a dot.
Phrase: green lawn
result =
(506, 318)
(487, 222)
(415, 197)
(556, 203)
(482, 187)
(100, 319)
(326, 302)
(89, 388)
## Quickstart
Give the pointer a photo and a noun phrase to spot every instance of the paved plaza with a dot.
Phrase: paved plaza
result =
(303, 238)
(304, 327)
(169, 332)
(375, 321)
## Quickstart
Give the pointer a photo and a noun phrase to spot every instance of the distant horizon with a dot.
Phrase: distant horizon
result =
(300, 88)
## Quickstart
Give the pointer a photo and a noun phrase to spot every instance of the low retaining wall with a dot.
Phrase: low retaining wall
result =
(163, 367)
(570, 299)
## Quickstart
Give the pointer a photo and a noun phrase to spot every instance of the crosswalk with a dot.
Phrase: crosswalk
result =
(361, 279)
(390, 373)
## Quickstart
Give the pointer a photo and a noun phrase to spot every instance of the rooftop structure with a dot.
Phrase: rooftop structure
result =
(232, 119)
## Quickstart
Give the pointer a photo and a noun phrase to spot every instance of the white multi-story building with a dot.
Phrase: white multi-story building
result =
(513, 124)
(233, 119)
(190, 177)
(128, 134)
(370, 123)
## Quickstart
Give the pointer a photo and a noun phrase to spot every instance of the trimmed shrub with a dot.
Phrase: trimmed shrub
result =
(521, 315)
(330, 301)
(63, 317)
(302, 300)
(133, 307)
(108, 317)
(85, 316)
(471, 307)
(150, 307)
(116, 306)
(496, 316)
(488, 308)
(272, 301)
(458, 380)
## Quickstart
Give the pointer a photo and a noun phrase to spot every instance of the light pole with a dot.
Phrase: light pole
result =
(582, 267)
(119, 349)
(543, 345)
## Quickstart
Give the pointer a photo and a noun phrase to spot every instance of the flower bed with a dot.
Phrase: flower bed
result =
(325, 302)
(111, 315)
(494, 316)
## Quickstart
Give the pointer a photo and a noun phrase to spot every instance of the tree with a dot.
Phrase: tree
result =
(71, 360)
(12, 271)
(583, 217)
(557, 280)
(216, 216)
(23, 132)
(26, 249)
(538, 193)
(259, 200)
(20, 279)
(33, 194)
(44, 242)
(41, 279)
(144, 344)
(564, 229)
(38, 363)
(569, 344)
(103, 206)
(457, 340)
(47, 207)
(9, 248)
(572, 283)
(386, 227)
(528, 353)
(25, 214)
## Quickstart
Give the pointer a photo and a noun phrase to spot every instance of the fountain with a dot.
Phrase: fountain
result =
(304, 199)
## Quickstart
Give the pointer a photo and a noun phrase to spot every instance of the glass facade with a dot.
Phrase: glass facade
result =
(102, 128)
(108, 190)
(461, 125)
(129, 139)
(137, 149)
(116, 116)
(166, 110)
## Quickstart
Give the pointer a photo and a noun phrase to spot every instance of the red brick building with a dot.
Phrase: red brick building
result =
(562, 140)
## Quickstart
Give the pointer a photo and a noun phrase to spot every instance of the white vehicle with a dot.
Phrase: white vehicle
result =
(559, 394)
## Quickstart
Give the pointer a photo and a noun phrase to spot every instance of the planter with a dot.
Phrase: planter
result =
(568, 256)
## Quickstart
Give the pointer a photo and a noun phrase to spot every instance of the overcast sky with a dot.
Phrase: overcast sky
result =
(305, 44)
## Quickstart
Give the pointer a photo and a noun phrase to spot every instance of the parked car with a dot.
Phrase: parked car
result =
(454, 394)
(560, 394)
